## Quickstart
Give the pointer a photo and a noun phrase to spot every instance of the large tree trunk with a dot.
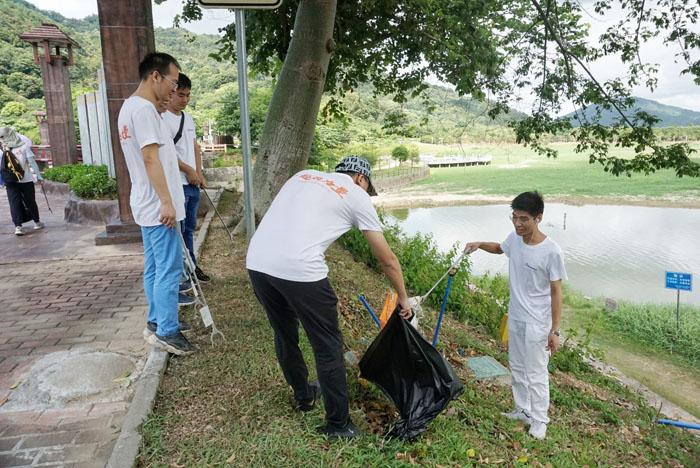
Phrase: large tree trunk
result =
(289, 127)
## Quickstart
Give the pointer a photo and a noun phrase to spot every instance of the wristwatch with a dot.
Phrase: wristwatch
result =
(554, 332)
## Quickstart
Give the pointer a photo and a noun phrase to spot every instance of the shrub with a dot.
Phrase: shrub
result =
(64, 174)
(91, 182)
(422, 266)
(94, 185)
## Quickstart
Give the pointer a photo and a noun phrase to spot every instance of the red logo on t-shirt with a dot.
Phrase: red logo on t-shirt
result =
(329, 183)
(124, 134)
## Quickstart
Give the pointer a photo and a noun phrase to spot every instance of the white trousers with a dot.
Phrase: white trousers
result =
(528, 361)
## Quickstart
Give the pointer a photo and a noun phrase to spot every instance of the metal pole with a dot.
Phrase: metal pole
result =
(678, 310)
(245, 122)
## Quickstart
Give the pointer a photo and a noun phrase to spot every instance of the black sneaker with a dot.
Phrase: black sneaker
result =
(185, 286)
(184, 300)
(151, 328)
(308, 405)
(348, 432)
(175, 343)
(201, 276)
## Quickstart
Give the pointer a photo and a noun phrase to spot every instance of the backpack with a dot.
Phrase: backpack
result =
(11, 170)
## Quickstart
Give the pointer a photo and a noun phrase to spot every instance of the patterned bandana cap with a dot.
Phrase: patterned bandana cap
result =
(359, 165)
(9, 138)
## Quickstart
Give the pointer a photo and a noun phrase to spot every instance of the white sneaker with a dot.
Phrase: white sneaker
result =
(38, 225)
(519, 414)
(538, 430)
(19, 231)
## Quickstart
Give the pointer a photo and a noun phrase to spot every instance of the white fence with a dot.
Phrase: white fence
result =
(93, 121)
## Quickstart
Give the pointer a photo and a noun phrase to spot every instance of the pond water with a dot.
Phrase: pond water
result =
(620, 252)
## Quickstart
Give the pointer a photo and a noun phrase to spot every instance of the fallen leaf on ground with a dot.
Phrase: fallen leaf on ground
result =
(522, 459)
(450, 411)
(231, 458)
(120, 379)
(517, 446)
(471, 453)
(16, 385)
(3, 401)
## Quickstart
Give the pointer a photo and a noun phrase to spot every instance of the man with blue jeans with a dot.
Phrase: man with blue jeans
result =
(181, 128)
(157, 200)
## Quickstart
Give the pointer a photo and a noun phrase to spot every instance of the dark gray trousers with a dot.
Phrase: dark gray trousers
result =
(314, 305)
(23, 206)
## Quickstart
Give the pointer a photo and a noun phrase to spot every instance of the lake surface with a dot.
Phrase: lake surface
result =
(621, 252)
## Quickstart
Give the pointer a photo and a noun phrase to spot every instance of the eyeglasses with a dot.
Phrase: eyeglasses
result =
(520, 219)
(174, 83)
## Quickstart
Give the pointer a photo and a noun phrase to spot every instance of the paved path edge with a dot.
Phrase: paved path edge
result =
(126, 448)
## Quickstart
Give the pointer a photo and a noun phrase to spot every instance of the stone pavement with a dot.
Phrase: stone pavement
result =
(61, 293)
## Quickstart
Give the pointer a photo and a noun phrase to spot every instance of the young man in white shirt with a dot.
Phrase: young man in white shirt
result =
(156, 199)
(536, 270)
(286, 265)
(181, 127)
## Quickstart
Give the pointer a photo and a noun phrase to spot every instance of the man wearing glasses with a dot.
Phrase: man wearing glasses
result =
(287, 267)
(157, 200)
(536, 270)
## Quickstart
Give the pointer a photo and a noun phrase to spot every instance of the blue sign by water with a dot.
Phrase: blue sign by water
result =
(680, 281)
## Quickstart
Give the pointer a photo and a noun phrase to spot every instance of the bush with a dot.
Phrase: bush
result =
(90, 182)
(422, 266)
(64, 174)
(94, 185)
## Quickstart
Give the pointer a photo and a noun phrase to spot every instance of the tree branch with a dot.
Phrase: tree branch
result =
(566, 52)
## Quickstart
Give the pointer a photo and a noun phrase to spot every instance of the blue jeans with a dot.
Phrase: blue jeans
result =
(189, 224)
(162, 250)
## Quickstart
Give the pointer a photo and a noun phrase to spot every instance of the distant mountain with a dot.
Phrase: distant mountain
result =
(670, 116)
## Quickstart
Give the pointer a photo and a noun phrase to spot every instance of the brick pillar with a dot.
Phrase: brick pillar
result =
(126, 32)
(59, 110)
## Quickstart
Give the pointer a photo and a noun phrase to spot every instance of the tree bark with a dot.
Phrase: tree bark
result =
(291, 118)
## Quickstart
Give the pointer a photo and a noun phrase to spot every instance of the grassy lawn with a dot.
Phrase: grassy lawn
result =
(228, 405)
(515, 169)
(673, 375)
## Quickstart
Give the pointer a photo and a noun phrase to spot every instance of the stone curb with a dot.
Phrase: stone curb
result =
(126, 448)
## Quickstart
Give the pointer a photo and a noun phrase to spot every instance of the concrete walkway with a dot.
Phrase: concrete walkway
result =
(65, 301)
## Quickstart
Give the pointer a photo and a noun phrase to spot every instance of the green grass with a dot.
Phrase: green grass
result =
(515, 169)
(228, 405)
(642, 342)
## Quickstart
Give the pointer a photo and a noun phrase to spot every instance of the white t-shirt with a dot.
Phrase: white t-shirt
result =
(311, 211)
(185, 145)
(140, 125)
(531, 269)
(23, 154)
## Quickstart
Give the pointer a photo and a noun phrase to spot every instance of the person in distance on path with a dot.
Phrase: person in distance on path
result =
(536, 270)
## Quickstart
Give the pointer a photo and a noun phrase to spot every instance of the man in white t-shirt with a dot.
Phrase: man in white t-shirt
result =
(536, 270)
(287, 267)
(181, 127)
(156, 199)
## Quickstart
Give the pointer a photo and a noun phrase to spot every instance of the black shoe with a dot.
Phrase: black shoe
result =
(151, 328)
(185, 286)
(348, 432)
(203, 278)
(308, 405)
(175, 343)
(184, 300)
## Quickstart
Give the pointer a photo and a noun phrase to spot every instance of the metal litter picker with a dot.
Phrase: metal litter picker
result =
(201, 301)
(418, 300)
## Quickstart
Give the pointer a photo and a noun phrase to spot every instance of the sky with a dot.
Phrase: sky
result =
(673, 89)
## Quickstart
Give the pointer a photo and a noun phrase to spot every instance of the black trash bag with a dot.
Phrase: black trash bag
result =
(412, 374)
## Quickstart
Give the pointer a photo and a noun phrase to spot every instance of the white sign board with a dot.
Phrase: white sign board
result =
(244, 4)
